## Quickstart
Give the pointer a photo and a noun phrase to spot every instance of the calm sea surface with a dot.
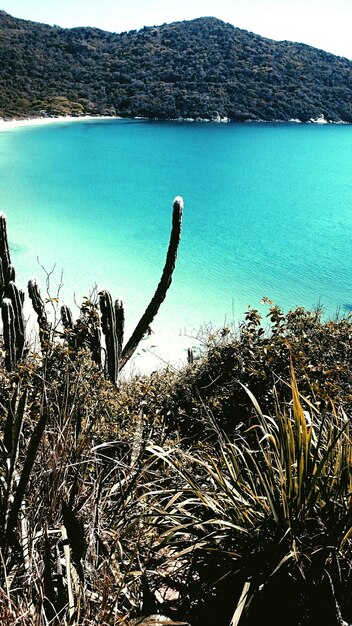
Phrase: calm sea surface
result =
(268, 212)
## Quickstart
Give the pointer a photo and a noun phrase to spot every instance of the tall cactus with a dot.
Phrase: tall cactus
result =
(4, 251)
(13, 293)
(113, 317)
(164, 284)
(108, 324)
(13, 320)
(120, 325)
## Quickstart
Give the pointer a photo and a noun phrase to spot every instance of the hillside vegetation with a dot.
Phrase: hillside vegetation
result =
(172, 494)
(203, 68)
(219, 491)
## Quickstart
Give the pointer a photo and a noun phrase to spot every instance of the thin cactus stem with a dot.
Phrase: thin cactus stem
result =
(8, 320)
(164, 284)
(2, 278)
(11, 274)
(108, 324)
(4, 249)
(13, 293)
(37, 300)
(66, 317)
(95, 345)
(120, 325)
(39, 308)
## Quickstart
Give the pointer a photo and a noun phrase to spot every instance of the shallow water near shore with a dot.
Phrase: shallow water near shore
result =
(267, 213)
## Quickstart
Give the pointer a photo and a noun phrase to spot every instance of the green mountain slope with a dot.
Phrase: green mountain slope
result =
(201, 68)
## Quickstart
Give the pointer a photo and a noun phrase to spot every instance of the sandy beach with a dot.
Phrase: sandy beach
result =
(6, 125)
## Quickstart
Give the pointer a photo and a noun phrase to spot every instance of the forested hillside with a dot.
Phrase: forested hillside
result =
(201, 68)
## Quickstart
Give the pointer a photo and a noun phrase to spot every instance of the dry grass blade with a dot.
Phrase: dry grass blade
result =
(241, 604)
(157, 620)
(67, 556)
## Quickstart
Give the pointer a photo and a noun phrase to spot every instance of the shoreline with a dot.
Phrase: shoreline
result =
(6, 125)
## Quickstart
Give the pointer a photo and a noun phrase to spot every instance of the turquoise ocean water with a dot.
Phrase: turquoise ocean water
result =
(268, 212)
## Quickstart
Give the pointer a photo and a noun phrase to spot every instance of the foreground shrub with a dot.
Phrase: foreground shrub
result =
(259, 358)
(115, 504)
(268, 514)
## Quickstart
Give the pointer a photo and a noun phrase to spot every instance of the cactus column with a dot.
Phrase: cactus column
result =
(11, 299)
(108, 324)
(164, 284)
(113, 317)
(8, 322)
(39, 307)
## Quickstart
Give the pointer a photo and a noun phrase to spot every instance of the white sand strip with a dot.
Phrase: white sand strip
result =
(41, 121)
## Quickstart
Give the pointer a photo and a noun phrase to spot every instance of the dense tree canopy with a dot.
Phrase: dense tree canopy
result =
(202, 68)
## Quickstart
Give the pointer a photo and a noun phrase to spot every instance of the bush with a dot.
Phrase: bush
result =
(259, 358)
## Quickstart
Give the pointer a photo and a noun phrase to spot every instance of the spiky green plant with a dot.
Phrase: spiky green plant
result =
(278, 501)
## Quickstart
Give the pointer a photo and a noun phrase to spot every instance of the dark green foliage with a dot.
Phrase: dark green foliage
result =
(173, 492)
(202, 68)
(84, 332)
(258, 356)
(268, 506)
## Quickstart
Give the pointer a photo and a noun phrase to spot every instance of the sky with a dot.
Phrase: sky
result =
(325, 24)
